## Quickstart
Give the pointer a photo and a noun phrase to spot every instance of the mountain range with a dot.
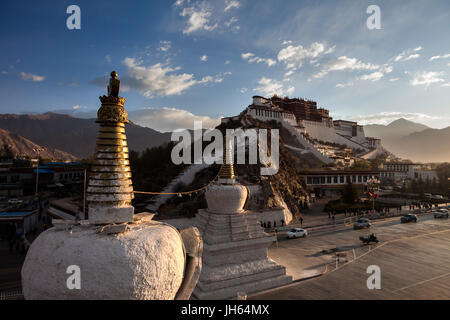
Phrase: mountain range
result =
(67, 137)
(413, 141)
(74, 135)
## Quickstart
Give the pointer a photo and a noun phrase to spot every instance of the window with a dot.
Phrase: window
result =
(14, 179)
(329, 179)
(359, 178)
(322, 180)
(309, 180)
(335, 179)
(342, 179)
(3, 179)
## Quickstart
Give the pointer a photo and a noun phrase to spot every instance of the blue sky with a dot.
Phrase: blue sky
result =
(181, 61)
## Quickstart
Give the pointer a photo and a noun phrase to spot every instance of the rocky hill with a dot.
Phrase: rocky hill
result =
(16, 145)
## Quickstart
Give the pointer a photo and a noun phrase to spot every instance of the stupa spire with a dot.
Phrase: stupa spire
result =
(227, 169)
(110, 189)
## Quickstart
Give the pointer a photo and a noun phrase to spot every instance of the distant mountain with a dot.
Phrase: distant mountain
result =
(74, 135)
(430, 145)
(19, 146)
(394, 130)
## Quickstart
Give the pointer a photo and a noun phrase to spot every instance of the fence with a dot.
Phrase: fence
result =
(11, 295)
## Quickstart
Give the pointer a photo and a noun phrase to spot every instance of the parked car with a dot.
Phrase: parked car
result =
(408, 218)
(441, 213)
(14, 201)
(297, 233)
(361, 223)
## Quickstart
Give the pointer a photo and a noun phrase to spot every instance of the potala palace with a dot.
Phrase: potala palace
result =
(320, 135)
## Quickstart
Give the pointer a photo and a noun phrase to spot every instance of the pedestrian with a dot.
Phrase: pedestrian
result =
(274, 224)
(282, 222)
(301, 221)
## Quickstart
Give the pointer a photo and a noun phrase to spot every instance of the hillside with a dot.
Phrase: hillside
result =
(19, 146)
(74, 135)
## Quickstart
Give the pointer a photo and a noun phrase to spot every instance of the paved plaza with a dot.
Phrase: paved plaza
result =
(414, 259)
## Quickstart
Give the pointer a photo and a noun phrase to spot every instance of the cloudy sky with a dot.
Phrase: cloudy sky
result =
(182, 60)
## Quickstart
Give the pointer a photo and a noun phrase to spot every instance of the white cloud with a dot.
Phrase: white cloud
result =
(269, 87)
(377, 75)
(229, 4)
(227, 62)
(169, 119)
(344, 63)
(243, 90)
(4, 72)
(231, 21)
(252, 58)
(77, 107)
(394, 79)
(290, 72)
(343, 85)
(198, 19)
(108, 58)
(157, 79)
(374, 76)
(445, 56)
(204, 58)
(293, 56)
(285, 42)
(388, 117)
(164, 46)
(178, 3)
(412, 56)
(426, 78)
(32, 77)
(408, 55)
(446, 84)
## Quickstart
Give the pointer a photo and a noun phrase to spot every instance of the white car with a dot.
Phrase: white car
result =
(297, 233)
(361, 223)
(14, 201)
(441, 213)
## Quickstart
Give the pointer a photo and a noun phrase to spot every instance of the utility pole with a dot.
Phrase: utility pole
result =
(84, 195)
(37, 150)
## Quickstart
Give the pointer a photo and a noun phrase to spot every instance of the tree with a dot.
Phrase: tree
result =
(350, 195)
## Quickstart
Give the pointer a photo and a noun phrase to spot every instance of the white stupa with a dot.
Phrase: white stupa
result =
(234, 243)
(115, 254)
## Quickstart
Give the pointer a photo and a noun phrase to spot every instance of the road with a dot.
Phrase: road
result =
(414, 260)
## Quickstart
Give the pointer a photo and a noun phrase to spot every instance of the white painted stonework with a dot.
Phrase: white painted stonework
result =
(145, 262)
(226, 198)
(234, 247)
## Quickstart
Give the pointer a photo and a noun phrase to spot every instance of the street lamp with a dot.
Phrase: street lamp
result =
(372, 186)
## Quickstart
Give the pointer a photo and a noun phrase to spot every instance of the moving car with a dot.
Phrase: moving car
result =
(361, 223)
(14, 201)
(297, 233)
(441, 213)
(408, 218)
